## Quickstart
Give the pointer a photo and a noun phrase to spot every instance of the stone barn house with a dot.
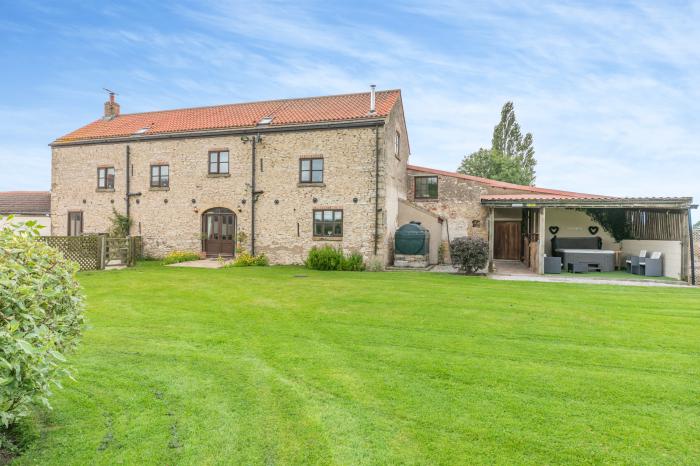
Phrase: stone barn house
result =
(279, 177)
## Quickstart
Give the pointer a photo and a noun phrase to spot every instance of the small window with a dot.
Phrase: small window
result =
(218, 162)
(311, 170)
(160, 176)
(426, 187)
(75, 223)
(397, 144)
(328, 223)
(105, 178)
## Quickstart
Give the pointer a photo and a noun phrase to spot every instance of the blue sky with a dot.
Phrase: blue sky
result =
(608, 89)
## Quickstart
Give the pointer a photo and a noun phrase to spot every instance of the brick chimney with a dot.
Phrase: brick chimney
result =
(111, 108)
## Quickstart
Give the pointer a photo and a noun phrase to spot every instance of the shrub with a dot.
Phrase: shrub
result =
(41, 317)
(245, 259)
(353, 263)
(180, 256)
(470, 253)
(330, 258)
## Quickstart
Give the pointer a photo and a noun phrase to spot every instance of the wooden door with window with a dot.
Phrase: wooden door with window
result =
(75, 223)
(219, 228)
(506, 243)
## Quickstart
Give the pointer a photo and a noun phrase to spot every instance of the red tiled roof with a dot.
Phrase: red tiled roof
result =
(504, 185)
(25, 202)
(308, 110)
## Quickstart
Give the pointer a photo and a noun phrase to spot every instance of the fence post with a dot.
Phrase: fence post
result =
(103, 252)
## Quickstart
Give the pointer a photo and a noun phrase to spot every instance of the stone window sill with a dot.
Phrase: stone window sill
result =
(158, 188)
(311, 185)
(104, 190)
(328, 238)
(425, 199)
(218, 175)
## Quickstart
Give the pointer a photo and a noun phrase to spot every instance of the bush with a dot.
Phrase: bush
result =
(330, 258)
(353, 263)
(180, 256)
(470, 253)
(245, 259)
(41, 311)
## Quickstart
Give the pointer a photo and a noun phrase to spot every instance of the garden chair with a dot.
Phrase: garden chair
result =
(651, 266)
(632, 264)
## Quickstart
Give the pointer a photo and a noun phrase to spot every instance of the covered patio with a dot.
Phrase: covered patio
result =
(589, 234)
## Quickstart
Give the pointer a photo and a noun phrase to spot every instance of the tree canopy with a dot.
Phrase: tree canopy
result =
(511, 157)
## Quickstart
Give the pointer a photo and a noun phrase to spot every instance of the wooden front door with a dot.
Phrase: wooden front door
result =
(219, 228)
(506, 240)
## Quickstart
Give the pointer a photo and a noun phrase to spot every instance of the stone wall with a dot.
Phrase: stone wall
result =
(171, 218)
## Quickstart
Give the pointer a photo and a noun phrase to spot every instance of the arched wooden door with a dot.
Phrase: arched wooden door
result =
(219, 232)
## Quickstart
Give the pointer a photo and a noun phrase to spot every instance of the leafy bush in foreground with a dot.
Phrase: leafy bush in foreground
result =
(41, 316)
(470, 253)
(330, 258)
(180, 256)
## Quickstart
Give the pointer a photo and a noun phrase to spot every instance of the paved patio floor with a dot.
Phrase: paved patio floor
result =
(202, 264)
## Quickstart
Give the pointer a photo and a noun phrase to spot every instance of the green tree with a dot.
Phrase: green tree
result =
(697, 225)
(511, 157)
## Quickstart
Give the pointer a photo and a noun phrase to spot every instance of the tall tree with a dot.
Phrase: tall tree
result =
(511, 157)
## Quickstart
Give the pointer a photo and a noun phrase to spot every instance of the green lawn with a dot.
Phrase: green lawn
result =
(282, 365)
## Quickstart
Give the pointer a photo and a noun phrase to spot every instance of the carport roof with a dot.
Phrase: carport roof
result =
(557, 200)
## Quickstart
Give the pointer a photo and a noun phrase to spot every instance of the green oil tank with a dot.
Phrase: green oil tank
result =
(412, 239)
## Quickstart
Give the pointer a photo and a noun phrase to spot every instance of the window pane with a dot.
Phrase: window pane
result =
(213, 157)
(223, 167)
(327, 215)
(223, 156)
(154, 170)
(318, 229)
(327, 229)
(317, 164)
(306, 164)
(338, 230)
(305, 176)
(318, 215)
(164, 170)
(110, 171)
(316, 176)
(212, 167)
(154, 181)
(338, 214)
(164, 182)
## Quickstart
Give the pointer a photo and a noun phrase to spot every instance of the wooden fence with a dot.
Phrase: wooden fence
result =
(95, 252)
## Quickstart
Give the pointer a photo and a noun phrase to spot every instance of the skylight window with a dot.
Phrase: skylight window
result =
(265, 120)
(142, 130)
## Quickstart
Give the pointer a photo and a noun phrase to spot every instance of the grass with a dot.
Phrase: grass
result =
(283, 365)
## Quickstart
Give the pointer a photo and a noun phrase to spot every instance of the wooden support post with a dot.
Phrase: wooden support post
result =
(685, 246)
(540, 240)
(491, 226)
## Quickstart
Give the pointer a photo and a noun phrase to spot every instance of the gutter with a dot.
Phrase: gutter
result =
(224, 132)
(376, 189)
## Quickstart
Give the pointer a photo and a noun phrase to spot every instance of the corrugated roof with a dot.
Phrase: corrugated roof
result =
(503, 184)
(286, 112)
(25, 202)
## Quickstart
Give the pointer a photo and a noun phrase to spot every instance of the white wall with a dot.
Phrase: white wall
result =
(574, 224)
(45, 221)
(670, 250)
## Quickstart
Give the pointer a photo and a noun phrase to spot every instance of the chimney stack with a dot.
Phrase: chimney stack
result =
(372, 98)
(111, 107)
